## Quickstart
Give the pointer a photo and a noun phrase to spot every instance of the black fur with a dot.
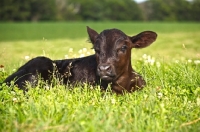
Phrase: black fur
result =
(68, 71)
(31, 71)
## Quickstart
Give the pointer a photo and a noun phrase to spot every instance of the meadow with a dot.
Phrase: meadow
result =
(169, 102)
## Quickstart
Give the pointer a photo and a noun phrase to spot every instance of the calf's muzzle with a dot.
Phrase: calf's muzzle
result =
(105, 72)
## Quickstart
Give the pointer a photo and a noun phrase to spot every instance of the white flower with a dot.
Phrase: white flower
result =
(113, 101)
(93, 52)
(66, 56)
(152, 61)
(82, 55)
(47, 87)
(14, 99)
(160, 95)
(158, 64)
(70, 50)
(144, 56)
(189, 61)
(84, 50)
(197, 62)
(27, 57)
(80, 51)
(88, 53)
(148, 57)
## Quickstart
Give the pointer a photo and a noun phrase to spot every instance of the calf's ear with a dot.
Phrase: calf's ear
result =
(92, 34)
(143, 39)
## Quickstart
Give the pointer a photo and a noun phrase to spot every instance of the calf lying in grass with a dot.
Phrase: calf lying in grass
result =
(111, 63)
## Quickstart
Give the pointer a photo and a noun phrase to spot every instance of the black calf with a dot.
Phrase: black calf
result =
(111, 63)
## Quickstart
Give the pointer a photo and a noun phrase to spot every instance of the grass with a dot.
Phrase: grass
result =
(169, 102)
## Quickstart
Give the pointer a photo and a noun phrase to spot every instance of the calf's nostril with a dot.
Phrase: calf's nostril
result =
(104, 68)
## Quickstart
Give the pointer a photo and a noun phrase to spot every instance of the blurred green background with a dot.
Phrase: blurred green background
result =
(51, 27)
(100, 10)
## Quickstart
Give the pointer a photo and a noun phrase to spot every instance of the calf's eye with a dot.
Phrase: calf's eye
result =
(123, 48)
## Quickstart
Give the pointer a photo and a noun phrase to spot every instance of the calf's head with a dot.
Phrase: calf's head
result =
(113, 51)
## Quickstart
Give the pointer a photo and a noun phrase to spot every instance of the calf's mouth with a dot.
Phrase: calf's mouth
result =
(108, 78)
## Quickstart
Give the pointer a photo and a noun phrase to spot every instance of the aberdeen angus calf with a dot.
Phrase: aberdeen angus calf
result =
(111, 63)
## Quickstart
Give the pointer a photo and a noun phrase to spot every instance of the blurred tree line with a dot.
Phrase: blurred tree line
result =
(99, 10)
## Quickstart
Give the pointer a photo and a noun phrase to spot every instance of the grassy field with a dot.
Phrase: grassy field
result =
(171, 67)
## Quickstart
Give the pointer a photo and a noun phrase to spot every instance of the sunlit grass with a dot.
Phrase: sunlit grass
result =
(169, 102)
